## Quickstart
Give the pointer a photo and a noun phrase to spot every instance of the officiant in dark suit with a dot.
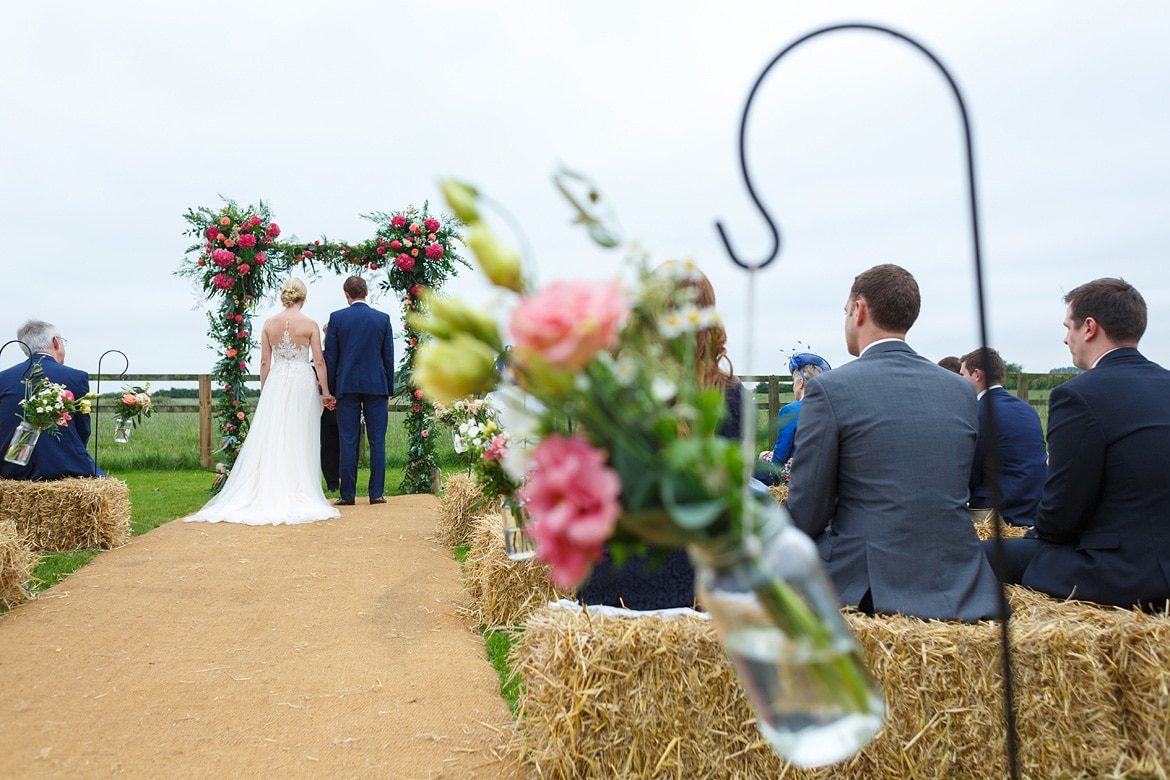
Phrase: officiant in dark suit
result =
(883, 455)
(54, 457)
(1103, 526)
(359, 355)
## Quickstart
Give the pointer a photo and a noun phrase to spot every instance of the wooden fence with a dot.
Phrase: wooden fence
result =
(777, 385)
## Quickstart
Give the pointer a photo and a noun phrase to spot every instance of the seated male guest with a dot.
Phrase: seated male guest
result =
(1102, 530)
(1020, 457)
(883, 455)
(54, 457)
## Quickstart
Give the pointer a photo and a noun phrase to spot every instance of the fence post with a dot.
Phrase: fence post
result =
(1022, 386)
(773, 398)
(205, 421)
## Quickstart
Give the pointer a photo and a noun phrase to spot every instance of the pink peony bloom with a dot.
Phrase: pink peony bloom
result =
(247, 240)
(398, 221)
(212, 232)
(261, 258)
(432, 225)
(567, 324)
(572, 497)
(434, 251)
(404, 262)
(396, 244)
(255, 220)
(223, 281)
(381, 250)
(243, 268)
(222, 258)
(273, 230)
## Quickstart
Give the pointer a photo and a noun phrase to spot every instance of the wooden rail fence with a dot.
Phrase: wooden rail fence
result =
(770, 401)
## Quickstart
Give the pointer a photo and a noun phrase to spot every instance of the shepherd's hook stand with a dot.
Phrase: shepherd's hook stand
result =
(98, 406)
(1005, 642)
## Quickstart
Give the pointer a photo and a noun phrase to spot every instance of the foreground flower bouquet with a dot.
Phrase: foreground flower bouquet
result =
(614, 439)
(47, 406)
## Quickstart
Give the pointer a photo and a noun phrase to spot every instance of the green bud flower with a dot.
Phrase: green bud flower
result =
(461, 198)
(458, 317)
(447, 371)
(499, 261)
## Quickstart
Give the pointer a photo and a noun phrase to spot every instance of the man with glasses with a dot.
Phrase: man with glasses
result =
(54, 457)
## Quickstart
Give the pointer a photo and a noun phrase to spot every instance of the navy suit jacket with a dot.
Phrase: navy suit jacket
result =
(359, 351)
(53, 458)
(1104, 519)
(879, 480)
(1019, 446)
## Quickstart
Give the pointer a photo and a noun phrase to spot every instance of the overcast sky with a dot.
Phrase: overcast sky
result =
(118, 116)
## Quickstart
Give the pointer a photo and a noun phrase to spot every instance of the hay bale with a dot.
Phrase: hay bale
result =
(632, 697)
(985, 521)
(68, 514)
(503, 591)
(1143, 658)
(16, 565)
(653, 698)
(779, 494)
(461, 498)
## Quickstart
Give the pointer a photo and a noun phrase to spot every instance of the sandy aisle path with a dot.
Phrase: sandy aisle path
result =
(330, 649)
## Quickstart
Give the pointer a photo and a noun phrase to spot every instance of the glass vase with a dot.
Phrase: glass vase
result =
(20, 448)
(518, 544)
(122, 428)
(776, 613)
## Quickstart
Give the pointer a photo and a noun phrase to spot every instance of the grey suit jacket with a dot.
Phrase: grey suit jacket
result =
(879, 479)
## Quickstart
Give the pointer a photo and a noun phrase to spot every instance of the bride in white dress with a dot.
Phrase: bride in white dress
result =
(277, 476)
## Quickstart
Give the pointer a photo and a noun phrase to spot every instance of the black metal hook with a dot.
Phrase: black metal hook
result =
(1009, 698)
(27, 351)
(98, 406)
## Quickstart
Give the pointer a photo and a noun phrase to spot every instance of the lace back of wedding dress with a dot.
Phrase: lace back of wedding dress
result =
(286, 350)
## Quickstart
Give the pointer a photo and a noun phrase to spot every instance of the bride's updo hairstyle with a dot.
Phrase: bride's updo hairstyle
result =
(294, 290)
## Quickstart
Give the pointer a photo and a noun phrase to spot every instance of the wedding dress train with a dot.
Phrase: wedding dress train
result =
(277, 476)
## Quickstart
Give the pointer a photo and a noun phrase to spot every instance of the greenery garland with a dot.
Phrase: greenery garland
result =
(239, 262)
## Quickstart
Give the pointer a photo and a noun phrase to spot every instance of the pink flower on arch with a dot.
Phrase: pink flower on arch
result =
(404, 262)
(572, 497)
(398, 221)
(273, 230)
(222, 258)
(432, 225)
(223, 282)
(247, 240)
(212, 232)
(434, 251)
(261, 258)
(566, 324)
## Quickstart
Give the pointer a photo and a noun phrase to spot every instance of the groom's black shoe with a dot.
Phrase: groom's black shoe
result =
(343, 502)
(378, 500)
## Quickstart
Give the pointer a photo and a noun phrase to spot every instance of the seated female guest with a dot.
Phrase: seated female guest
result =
(803, 366)
(661, 579)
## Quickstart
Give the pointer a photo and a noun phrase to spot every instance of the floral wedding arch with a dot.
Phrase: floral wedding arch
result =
(239, 262)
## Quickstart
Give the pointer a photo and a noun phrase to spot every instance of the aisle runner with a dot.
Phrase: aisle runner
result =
(330, 649)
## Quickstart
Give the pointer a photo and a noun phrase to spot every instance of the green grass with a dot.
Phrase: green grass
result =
(499, 646)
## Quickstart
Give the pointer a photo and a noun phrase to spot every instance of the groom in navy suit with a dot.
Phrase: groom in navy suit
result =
(359, 353)
(1021, 460)
(1102, 531)
(54, 457)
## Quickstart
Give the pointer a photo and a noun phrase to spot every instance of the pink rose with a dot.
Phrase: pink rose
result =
(381, 250)
(396, 244)
(223, 281)
(572, 497)
(425, 433)
(417, 409)
(414, 227)
(261, 258)
(398, 221)
(247, 240)
(222, 258)
(130, 399)
(67, 395)
(566, 324)
(273, 230)
(404, 262)
(212, 232)
(243, 268)
(414, 288)
(255, 221)
(432, 225)
(434, 251)
(418, 394)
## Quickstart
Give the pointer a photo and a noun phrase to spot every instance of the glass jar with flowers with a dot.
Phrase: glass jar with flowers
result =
(134, 405)
(621, 446)
(47, 407)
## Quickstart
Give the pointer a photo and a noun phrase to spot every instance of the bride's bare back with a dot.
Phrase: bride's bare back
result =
(302, 331)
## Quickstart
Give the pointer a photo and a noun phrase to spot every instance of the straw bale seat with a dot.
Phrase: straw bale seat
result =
(460, 500)
(650, 697)
(503, 591)
(68, 514)
(16, 564)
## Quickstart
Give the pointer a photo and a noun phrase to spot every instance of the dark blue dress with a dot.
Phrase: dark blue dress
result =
(637, 583)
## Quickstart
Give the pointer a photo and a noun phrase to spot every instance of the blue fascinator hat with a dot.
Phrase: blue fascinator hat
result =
(801, 359)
